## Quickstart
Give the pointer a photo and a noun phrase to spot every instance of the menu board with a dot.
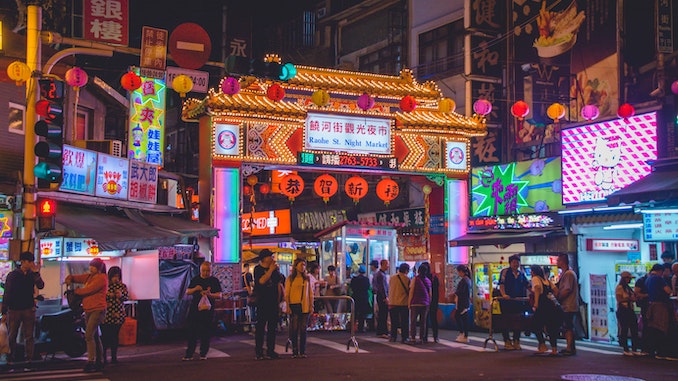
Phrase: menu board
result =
(660, 226)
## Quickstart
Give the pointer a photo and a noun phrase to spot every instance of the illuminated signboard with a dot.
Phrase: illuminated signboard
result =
(79, 170)
(6, 223)
(106, 21)
(143, 182)
(112, 176)
(227, 193)
(532, 186)
(602, 158)
(612, 244)
(343, 133)
(226, 139)
(660, 226)
(521, 221)
(456, 154)
(147, 122)
(51, 248)
(267, 223)
(347, 160)
(81, 247)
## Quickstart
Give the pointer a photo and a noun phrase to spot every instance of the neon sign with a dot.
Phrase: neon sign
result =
(147, 122)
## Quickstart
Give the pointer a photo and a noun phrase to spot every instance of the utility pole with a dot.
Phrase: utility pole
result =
(33, 58)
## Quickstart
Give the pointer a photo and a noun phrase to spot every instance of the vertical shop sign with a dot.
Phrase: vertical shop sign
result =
(598, 300)
(485, 15)
(106, 21)
(143, 182)
(153, 52)
(486, 149)
(147, 122)
(664, 27)
(486, 57)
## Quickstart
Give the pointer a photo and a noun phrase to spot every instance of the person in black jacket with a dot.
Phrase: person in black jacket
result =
(463, 300)
(360, 287)
(433, 308)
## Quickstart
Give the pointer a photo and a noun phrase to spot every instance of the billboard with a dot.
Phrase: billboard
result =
(112, 177)
(602, 158)
(532, 186)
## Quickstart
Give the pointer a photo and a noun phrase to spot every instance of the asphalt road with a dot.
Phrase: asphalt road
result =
(232, 357)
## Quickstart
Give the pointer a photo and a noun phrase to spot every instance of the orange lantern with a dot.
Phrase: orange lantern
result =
(291, 186)
(387, 190)
(356, 188)
(325, 186)
(265, 188)
(252, 180)
(130, 81)
(556, 112)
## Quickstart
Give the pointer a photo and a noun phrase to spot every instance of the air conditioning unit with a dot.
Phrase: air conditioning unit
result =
(111, 147)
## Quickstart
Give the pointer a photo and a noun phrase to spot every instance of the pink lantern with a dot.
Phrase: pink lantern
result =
(76, 77)
(365, 102)
(674, 87)
(482, 107)
(230, 86)
(590, 112)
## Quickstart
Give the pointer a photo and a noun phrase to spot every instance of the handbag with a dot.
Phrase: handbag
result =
(74, 301)
(204, 303)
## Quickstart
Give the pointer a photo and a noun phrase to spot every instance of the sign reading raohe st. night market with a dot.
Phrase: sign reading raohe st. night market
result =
(343, 133)
(532, 186)
(147, 122)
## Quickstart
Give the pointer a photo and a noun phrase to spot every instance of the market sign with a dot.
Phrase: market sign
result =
(143, 182)
(112, 177)
(602, 158)
(532, 186)
(79, 170)
(343, 133)
(411, 218)
(660, 226)
(593, 244)
(456, 154)
(51, 248)
(106, 21)
(267, 223)
(146, 127)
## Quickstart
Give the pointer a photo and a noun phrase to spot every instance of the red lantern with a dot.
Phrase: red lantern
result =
(325, 186)
(275, 92)
(265, 188)
(408, 103)
(520, 110)
(291, 186)
(130, 81)
(626, 111)
(387, 190)
(356, 188)
(247, 190)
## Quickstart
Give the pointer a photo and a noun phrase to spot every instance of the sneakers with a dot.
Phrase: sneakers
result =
(516, 345)
(462, 339)
(567, 352)
(187, 358)
(203, 357)
(641, 354)
(508, 345)
(273, 356)
(542, 348)
(628, 353)
(259, 357)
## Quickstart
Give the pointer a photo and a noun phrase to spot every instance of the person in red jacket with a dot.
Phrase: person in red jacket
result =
(94, 303)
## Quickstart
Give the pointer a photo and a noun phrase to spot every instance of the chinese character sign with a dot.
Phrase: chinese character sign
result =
(106, 21)
(533, 186)
(112, 177)
(153, 48)
(79, 170)
(143, 182)
(147, 122)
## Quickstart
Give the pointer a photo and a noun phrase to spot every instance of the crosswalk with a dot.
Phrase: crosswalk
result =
(52, 375)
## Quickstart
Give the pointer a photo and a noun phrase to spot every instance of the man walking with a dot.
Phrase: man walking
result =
(267, 281)
(399, 291)
(568, 295)
(200, 315)
(380, 290)
(512, 284)
(18, 306)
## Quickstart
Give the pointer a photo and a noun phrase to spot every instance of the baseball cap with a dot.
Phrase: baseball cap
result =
(265, 253)
(374, 263)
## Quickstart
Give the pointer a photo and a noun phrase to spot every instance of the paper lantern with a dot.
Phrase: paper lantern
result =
(482, 107)
(674, 87)
(291, 186)
(265, 188)
(446, 105)
(275, 92)
(387, 190)
(320, 98)
(408, 103)
(626, 111)
(76, 77)
(252, 180)
(325, 186)
(18, 72)
(130, 81)
(365, 102)
(182, 84)
(520, 110)
(590, 112)
(356, 188)
(230, 86)
(556, 112)
(247, 190)
(288, 71)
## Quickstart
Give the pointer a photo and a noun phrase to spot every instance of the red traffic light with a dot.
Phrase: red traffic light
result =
(46, 208)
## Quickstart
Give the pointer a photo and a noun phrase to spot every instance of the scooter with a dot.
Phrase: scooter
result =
(62, 331)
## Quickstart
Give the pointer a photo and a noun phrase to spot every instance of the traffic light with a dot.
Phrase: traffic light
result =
(260, 68)
(46, 212)
(49, 151)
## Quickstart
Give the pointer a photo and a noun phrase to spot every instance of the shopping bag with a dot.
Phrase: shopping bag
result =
(4, 339)
(204, 303)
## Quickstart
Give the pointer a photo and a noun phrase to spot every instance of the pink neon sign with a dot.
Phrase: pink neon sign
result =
(602, 158)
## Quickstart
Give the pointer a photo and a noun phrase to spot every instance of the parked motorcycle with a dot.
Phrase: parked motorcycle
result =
(62, 331)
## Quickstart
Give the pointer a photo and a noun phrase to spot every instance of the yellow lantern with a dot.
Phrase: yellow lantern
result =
(556, 112)
(18, 72)
(446, 105)
(182, 84)
(320, 98)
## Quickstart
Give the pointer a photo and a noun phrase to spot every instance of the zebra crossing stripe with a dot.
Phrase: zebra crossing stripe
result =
(336, 346)
(404, 347)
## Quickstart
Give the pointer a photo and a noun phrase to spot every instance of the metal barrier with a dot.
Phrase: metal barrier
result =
(352, 340)
(491, 333)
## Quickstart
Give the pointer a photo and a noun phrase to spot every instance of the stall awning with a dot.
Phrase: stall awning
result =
(658, 186)
(180, 224)
(483, 238)
(113, 230)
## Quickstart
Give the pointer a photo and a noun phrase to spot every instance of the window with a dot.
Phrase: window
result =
(84, 127)
(383, 61)
(441, 50)
(16, 119)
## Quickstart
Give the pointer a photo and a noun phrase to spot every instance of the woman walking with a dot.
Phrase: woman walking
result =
(463, 300)
(419, 300)
(94, 304)
(299, 298)
(115, 313)
(546, 312)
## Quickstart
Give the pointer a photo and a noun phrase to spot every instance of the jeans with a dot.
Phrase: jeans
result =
(626, 318)
(399, 319)
(94, 347)
(110, 334)
(25, 319)
(462, 318)
(199, 327)
(267, 322)
(432, 321)
(420, 312)
(298, 324)
(382, 318)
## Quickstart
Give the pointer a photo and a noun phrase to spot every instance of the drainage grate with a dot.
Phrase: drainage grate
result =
(597, 377)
